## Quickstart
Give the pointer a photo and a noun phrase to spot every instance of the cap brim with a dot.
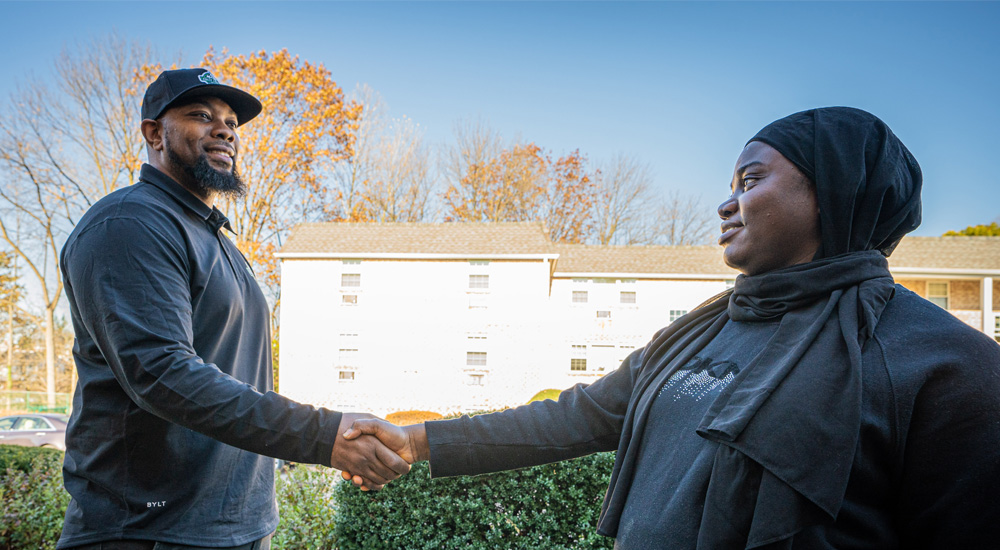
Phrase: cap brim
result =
(243, 104)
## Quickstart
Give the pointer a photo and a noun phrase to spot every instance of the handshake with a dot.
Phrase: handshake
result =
(372, 452)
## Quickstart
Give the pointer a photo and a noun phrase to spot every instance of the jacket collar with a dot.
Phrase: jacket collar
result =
(185, 198)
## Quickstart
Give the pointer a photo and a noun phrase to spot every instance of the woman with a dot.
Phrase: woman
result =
(816, 405)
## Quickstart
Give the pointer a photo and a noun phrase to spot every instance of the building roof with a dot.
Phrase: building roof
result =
(944, 254)
(950, 253)
(341, 239)
(344, 239)
(681, 260)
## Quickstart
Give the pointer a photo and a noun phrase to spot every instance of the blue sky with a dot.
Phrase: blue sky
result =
(679, 85)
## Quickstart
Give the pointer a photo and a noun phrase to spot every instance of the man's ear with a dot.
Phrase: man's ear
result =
(152, 132)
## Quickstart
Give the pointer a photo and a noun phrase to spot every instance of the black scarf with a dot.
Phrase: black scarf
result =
(788, 425)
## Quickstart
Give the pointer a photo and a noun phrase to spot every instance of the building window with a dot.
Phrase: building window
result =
(624, 352)
(578, 280)
(351, 262)
(730, 283)
(347, 357)
(349, 299)
(628, 281)
(345, 375)
(938, 294)
(628, 297)
(603, 314)
(676, 314)
(350, 279)
(477, 336)
(604, 281)
(479, 262)
(475, 379)
(578, 357)
(479, 281)
(996, 328)
(475, 358)
(579, 296)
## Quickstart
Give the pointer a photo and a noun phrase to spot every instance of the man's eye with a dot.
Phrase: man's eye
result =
(231, 124)
(749, 182)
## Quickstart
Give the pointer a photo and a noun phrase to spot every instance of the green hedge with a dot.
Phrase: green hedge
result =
(306, 508)
(21, 458)
(32, 498)
(554, 506)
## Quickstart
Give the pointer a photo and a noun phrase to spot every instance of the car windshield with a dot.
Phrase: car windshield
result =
(33, 423)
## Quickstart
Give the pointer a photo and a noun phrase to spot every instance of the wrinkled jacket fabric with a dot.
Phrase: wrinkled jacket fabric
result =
(925, 472)
(173, 417)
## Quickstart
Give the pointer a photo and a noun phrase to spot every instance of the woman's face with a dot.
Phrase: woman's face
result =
(771, 219)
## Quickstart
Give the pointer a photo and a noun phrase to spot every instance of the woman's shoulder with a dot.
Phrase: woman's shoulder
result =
(919, 338)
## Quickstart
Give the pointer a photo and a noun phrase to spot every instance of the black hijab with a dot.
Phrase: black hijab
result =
(867, 182)
(787, 427)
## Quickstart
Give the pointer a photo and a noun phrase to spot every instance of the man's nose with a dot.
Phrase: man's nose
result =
(223, 131)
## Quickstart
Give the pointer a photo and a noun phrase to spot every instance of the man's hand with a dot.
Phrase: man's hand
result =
(372, 463)
(409, 442)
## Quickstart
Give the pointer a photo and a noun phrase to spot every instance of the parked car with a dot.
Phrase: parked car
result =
(34, 430)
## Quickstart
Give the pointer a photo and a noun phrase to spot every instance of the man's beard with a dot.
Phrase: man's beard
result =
(208, 180)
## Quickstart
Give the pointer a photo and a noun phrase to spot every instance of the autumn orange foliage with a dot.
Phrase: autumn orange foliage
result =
(524, 183)
(305, 128)
(407, 418)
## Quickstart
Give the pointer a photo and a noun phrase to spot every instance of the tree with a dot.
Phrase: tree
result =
(29, 342)
(10, 294)
(523, 183)
(475, 144)
(389, 178)
(622, 208)
(681, 219)
(287, 152)
(62, 147)
(991, 230)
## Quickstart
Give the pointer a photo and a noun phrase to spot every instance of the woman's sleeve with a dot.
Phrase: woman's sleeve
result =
(586, 419)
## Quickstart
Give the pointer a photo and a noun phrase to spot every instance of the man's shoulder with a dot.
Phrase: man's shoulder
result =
(140, 201)
(141, 206)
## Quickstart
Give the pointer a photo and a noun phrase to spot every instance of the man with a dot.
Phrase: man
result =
(816, 405)
(173, 418)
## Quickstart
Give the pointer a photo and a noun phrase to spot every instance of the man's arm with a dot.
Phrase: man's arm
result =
(133, 296)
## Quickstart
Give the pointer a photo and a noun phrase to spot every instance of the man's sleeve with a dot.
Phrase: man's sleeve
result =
(586, 419)
(132, 290)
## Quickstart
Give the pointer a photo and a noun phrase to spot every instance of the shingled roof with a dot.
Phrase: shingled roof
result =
(682, 260)
(962, 253)
(529, 238)
(913, 253)
(343, 238)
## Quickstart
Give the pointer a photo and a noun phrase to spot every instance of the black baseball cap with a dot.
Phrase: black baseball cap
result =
(173, 86)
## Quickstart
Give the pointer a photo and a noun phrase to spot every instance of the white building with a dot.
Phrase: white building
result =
(466, 316)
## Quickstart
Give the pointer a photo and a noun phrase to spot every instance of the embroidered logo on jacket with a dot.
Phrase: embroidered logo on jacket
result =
(700, 377)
